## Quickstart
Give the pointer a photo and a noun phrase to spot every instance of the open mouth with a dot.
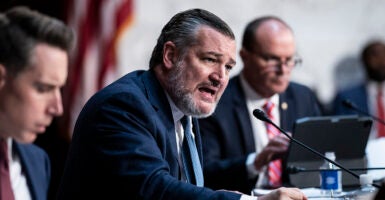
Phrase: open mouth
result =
(207, 90)
(208, 93)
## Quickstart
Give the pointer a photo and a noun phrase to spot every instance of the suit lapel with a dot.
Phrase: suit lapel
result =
(285, 108)
(242, 116)
(158, 99)
(362, 94)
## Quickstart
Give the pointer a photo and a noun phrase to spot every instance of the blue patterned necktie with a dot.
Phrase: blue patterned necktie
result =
(190, 157)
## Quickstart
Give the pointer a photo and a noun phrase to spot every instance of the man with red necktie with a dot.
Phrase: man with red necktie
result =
(380, 112)
(239, 150)
(368, 96)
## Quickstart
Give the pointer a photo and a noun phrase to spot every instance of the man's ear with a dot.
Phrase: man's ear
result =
(3, 75)
(243, 54)
(169, 54)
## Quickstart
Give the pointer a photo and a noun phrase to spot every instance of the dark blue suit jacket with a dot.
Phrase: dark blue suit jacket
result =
(124, 147)
(36, 166)
(357, 95)
(228, 138)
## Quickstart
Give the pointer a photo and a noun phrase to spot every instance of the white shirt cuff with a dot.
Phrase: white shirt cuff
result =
(247, 197)
(251, 171)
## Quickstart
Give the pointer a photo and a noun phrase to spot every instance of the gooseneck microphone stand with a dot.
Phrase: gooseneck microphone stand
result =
(259, 114)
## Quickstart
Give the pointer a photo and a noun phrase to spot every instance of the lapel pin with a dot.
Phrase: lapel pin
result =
(284, 106)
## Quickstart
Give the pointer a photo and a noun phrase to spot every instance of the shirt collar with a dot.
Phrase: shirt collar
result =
(252, 95)
(372, 87)
(177, 114)
(9, 142)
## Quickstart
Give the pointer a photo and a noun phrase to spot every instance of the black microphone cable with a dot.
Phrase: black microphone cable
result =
(294, 170)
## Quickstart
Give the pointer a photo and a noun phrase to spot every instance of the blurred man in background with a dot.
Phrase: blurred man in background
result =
(368, 97)
(240, 151)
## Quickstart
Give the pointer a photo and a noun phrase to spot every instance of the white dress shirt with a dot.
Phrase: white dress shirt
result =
(18, 178)
(179, 132)
(254, 101)
(371, 88)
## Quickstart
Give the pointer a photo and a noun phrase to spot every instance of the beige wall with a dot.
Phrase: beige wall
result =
(328, 32)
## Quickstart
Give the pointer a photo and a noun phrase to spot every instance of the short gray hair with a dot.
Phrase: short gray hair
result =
(182, 29)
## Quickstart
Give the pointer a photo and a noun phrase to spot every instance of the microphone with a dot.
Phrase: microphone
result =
(349, 104)
(259, 114)
(294, 170)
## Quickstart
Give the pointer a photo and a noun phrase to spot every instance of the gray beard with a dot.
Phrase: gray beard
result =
(182, 98)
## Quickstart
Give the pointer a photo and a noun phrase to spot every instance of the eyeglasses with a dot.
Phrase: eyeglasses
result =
(275, 62)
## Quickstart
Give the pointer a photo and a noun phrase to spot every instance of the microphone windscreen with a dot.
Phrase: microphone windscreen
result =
(259, 114)
(348, 103)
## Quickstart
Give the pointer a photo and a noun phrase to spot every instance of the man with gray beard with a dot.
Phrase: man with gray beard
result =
(139, 138)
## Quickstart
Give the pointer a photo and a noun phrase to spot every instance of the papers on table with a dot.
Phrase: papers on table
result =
(374, 152)
(311, 193)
